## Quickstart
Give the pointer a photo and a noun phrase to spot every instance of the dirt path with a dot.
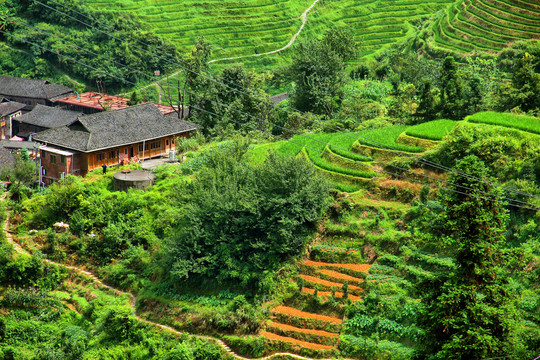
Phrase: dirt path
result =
(304, 18)
(20, 250)
(293, 39)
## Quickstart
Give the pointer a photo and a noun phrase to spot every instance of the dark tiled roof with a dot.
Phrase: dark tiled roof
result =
(115, 128)
(49, 117)
(10, 144)
(10, 107)
(6, 158)
(36, 89)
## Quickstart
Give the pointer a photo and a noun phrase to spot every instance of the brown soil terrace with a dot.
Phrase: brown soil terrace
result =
(329, 293)
(338, 275)
(316, 280)
(302, 314)
(354, 267)
(286, 327)
(305, 344)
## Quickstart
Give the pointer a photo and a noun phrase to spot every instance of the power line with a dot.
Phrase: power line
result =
(397, 167)
(369, 141)
(511, 201)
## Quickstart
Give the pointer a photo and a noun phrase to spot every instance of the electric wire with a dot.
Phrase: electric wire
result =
(510, 202)
(397, 167)
(370, 141)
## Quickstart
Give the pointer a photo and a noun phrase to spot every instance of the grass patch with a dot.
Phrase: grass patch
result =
(432, 130)
(386, 138)
(521, 122)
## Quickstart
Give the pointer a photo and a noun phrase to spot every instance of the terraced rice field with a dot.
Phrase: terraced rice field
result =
(524, 123)
(313, 330)
(486, 25)
(239, 28)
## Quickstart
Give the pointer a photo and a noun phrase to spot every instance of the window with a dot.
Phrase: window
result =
(101, 156)
(43, 154)
(62, 159)
(112, 155)
(125, 151)
(53, 159)
(167, 142)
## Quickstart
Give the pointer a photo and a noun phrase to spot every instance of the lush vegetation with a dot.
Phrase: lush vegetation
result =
(41, 40)
(310, 237)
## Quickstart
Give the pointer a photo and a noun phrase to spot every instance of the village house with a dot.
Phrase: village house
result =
(109, 138)
(8, 111)
(40, 119)
(31, 92)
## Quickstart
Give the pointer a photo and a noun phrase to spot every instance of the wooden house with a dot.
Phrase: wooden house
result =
(109, 138)
(31, 92)
(8, 111)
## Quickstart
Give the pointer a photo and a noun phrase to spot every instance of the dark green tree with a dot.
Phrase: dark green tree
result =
(469, 314)
(452, 90)
(243, 221)
(428, 103)
(318, 70)
(525, 89)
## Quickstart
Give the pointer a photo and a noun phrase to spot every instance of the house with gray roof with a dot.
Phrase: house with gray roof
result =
(31, 92)
(8, 111)
(42, 118)
(109, 138)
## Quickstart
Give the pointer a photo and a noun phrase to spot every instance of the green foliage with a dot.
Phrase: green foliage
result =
(23, 171)
(318, 70)
(452, 90)
(470, 311)
(233, 230)
(525, 88)
(433, 130)
(51, 28)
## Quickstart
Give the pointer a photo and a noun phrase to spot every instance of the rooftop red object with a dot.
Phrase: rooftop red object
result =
(110, 102)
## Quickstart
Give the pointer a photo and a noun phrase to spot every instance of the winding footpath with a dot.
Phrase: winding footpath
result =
(304, 21)
(304, 18)
(95, 279)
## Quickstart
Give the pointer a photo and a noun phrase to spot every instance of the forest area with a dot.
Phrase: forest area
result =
(389, 208)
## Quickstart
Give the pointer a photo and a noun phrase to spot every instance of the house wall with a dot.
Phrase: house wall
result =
(5, 125)
(133, 152)
(81, 163)
(25, 129)
(54, 165)
(29, 102)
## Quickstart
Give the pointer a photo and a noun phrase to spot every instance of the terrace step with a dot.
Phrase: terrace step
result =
(287, 327)
(355, 267)
(340, 276)
(329, 293)
(286, 310)
(309, 345)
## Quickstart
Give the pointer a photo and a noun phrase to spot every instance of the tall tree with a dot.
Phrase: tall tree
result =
(451, 89)
(318, 70)
(469, 314)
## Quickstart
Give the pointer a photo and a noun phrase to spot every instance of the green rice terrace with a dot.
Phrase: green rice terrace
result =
(259, 26)
(486, 25)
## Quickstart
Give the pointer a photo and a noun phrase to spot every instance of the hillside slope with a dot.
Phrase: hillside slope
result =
(257, 26)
